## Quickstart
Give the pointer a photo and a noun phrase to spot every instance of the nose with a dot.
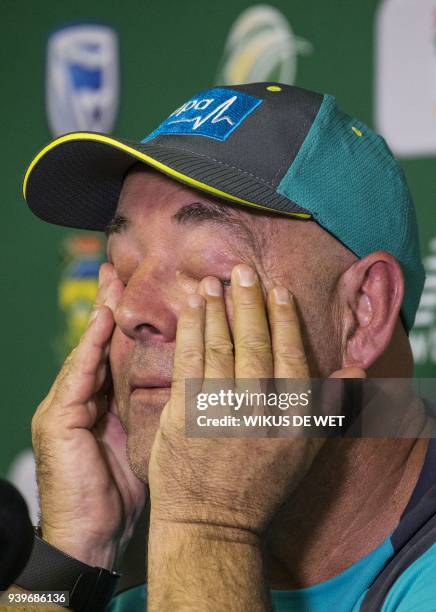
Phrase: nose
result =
(148, 307)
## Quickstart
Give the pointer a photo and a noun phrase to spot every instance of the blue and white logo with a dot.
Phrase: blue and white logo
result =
(215, 113)
(82, 81)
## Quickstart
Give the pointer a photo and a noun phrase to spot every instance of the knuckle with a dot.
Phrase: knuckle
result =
(187, 321)
(37, 416)
(38, 427)
(248, 304)
(191, 355)
(283, 319)
(291, 356)
(216, 361)
(219, 346)
(35, 426)
(254, 343)
(255, 364)
(68, 363)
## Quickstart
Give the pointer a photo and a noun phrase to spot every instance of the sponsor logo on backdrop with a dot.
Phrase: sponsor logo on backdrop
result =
(82, 256)
(214, 114)
(82, 79)
(261, 46)
(423, 335)
(406, 76)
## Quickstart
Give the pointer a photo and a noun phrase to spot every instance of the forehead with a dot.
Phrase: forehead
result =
(148, 194)
(146, 185)
(150, 202)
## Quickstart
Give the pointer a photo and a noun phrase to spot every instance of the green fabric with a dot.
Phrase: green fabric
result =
(356, 190)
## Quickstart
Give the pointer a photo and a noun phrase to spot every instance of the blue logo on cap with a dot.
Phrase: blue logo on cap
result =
(215, 113)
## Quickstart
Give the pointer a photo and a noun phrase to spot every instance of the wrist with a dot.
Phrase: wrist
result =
(90, 550)
(50, 569)
(175, 532)
(193, 566)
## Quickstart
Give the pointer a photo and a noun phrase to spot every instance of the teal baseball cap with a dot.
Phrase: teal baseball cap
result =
(270, 146)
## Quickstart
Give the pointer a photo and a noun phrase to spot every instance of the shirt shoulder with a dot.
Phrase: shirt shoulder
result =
(415, 589)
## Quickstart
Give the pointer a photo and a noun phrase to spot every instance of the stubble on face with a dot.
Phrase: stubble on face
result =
(296, 254)
(140, 410)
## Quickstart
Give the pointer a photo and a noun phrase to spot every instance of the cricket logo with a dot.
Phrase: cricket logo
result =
(261, 46)
(82, 79)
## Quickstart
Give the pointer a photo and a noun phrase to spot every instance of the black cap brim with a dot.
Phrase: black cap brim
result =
(76, 180)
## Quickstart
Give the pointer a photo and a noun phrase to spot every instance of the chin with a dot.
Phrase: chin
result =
(141, 427)
(138, 454)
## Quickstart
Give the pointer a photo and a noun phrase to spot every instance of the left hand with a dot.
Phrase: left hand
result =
(236, 483)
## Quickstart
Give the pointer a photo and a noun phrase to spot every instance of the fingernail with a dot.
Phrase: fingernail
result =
(245, 276)
(195, 300)
(213, 287)
(281, 295)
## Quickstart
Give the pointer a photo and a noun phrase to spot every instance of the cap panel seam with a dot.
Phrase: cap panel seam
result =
(281, 171)
(284, 168)
(306, 149)
(309, 143)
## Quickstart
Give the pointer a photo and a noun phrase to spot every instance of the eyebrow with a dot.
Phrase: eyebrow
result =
(116, 225)
(195, 213)
(199, 212)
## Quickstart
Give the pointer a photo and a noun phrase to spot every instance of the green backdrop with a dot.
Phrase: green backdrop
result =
(168, 51)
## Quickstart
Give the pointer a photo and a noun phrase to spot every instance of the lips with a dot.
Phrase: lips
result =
(148, 382)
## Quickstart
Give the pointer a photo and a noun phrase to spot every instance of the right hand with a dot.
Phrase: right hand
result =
(90, 499)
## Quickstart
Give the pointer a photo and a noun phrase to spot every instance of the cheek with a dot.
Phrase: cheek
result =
(118, 353)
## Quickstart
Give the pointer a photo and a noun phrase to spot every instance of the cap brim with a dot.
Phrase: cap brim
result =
(76, 180)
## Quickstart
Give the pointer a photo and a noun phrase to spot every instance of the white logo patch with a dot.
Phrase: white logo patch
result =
(82, 81)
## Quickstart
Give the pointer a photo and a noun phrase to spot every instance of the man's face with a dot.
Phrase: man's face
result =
(164, 239)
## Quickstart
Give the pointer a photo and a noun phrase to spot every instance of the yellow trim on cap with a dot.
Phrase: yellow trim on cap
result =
(151, 162)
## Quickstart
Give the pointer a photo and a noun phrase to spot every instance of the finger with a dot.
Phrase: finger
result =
(252, 342)
(218, 346)
(113, 294)
(189, 353)
(106, 274)
(81, 375)
(112, 436)
(288, 351)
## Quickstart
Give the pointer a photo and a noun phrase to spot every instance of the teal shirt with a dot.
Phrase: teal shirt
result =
(414, 591)
(398, 576)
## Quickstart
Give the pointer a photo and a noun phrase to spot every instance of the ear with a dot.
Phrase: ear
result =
(371, 293)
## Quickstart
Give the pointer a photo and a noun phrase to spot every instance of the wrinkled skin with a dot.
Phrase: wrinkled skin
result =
(161, 260)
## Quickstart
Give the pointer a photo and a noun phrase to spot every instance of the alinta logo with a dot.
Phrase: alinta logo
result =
(214, 116)
(423, 335)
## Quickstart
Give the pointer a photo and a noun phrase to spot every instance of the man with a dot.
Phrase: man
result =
(205, 280)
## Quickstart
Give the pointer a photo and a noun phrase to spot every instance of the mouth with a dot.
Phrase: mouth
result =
(149, 385)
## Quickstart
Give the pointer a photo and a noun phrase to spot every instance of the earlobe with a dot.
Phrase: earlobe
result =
(375, 289)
